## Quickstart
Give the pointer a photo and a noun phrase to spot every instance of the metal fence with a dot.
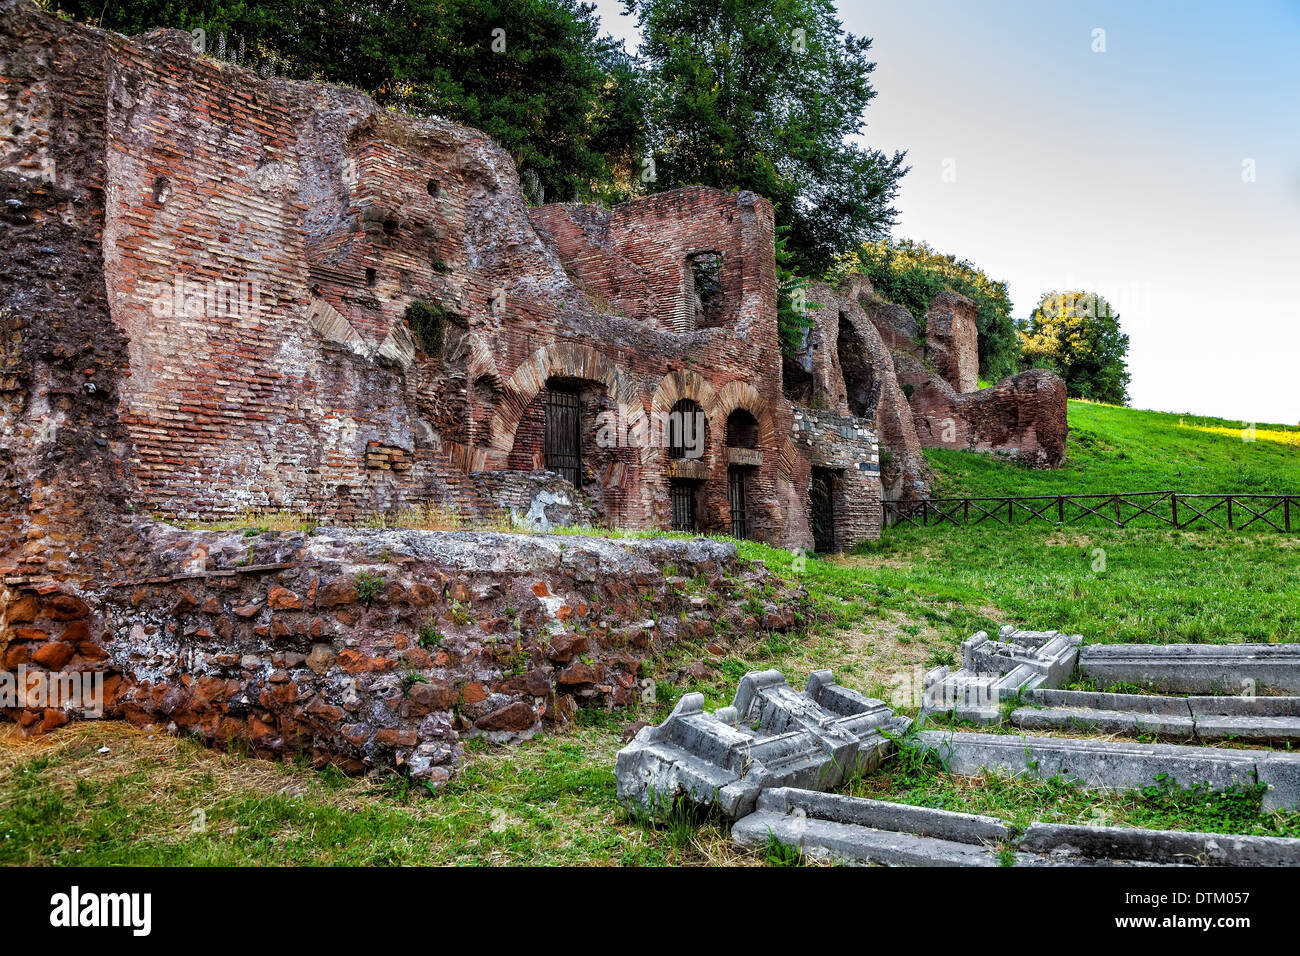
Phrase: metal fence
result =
(1228, 512)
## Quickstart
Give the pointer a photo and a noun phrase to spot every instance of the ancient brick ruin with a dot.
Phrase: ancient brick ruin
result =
(868, 358)
(224, 292)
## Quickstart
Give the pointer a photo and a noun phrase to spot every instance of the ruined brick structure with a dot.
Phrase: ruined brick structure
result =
(868, 357)
(264, 241)
(225, 292)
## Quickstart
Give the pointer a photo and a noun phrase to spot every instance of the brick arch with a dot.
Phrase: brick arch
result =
(672, 388)
(566, 359)
(739, 394)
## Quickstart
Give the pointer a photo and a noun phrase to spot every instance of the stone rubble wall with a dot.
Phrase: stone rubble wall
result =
(379, 649)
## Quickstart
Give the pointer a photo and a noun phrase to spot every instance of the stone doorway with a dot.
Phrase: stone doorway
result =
(822, 489)
(563, 440)
(682, 496)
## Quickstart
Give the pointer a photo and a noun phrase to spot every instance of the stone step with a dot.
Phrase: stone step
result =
(1118, 764)
(1252, 719)
(1103, 721)
(855, 830)
(1195, 668)
(1164, 847)
(851, 843)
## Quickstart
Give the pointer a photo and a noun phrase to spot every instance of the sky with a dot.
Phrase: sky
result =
(1156, 163)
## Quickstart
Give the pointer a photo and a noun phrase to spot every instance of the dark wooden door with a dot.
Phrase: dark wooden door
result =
(682, 495)
(821, 493)
(564, 435)
(736, 497)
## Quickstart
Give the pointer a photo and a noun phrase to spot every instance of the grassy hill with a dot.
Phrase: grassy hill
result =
(1114, 450)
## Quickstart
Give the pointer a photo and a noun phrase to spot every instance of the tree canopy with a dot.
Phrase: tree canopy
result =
(766, 95)
(535, 75)
(1077, 335)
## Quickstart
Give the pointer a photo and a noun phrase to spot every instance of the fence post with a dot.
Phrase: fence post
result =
(1114, 500)
(1230, 528)
(1286, 512)
(1060, 509)
(965, 511)
(1173, 497)
(925, 512)
(1011, 511)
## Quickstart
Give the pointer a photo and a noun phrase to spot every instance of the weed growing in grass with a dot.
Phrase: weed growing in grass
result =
(777, 853)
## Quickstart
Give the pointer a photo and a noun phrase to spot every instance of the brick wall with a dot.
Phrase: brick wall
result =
(951, 340)
(260, 242)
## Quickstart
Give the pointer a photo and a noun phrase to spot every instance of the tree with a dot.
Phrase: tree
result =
(1077, 335)
(535, 75)
(912, 274)
(764, 95)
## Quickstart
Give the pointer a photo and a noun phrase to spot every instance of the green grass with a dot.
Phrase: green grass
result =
(1114, 450)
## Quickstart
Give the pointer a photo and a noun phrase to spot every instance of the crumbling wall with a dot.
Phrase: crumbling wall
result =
(265, 242)
(380, 649)
(206, 311)
(951, 340)
(853, 373)
(63, 449)
(1023, 416)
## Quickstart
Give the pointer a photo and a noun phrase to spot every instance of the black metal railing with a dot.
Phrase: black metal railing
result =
(1228, 512)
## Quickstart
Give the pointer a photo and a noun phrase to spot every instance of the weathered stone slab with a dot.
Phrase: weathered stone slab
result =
(1160, 846)
(1223, 706)
(846, 842)
(1104, 721)
(882, 815)
(1248, 729)
(1196, 668)
(1133, 703)
(1119, 765)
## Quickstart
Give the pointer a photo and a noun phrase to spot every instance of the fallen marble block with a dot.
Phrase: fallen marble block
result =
(770, 736)
(994, 671)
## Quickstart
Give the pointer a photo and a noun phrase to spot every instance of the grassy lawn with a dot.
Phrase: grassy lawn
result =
(1115, 450)
(885, 614)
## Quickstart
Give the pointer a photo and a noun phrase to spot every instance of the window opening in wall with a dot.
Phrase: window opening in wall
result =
(390, 227)
(434, 188)
(742, 430)
(737, 497)
(371, 276)
(860, 385)
(706, 282)
(821, 495)
(682, 496)
(563, 441)
(687, 430)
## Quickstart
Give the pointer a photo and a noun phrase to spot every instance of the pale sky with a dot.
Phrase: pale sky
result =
(1162, 173)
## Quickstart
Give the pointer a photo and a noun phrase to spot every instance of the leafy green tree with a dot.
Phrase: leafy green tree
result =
(793, 315)
(1077, 335)
(535, 75)
(912, 274)
(764, 95)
